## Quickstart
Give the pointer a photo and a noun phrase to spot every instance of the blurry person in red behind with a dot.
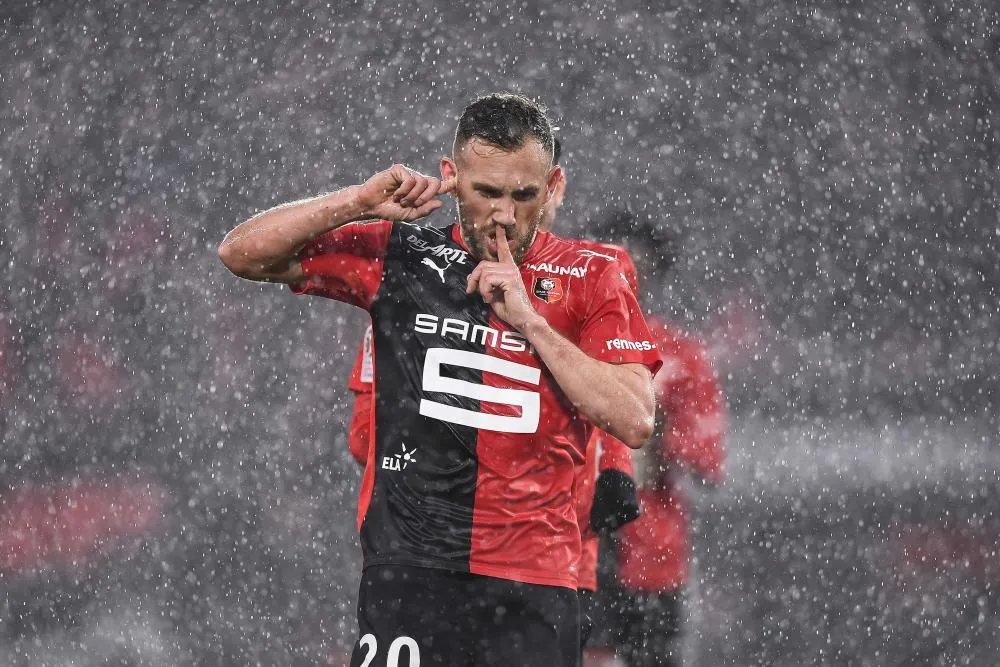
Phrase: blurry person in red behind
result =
(654, 551)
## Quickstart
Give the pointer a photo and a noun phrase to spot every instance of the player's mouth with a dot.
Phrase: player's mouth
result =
(491, 240)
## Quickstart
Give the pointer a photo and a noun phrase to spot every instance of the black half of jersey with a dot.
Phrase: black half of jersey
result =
(421, 509)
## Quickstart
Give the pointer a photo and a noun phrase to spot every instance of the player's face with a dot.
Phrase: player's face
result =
(500, 188)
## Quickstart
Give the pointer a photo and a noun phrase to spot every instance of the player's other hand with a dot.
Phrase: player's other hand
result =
(616, 501)
(500, 285)
(400, 193)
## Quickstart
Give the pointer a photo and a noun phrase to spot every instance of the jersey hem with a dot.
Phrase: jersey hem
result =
(521, 576)
(525, 577)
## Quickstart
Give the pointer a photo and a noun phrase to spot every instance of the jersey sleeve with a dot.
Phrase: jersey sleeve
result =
(614, 455)
(345, 263)
(614, 329)
(363, 373)
(696, 414)
(629, 272)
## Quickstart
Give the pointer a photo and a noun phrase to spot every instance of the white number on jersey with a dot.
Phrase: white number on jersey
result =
(528, 401)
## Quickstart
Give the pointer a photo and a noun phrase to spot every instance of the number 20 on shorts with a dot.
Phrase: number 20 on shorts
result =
(370, 645)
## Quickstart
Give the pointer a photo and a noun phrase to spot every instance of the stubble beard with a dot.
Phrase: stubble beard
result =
(478, 248)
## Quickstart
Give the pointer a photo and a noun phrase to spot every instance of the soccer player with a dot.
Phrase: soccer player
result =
(497, 348)
(654, 551)
(606, 491)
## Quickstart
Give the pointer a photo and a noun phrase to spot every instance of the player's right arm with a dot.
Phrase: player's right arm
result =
(267, 246)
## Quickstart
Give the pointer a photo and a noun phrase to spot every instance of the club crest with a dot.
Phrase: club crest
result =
(548, 288)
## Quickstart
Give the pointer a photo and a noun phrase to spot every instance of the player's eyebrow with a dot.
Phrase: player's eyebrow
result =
(488, 190)
(493, 191)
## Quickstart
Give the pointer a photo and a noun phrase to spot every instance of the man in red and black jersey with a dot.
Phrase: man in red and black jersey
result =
(605, 488)
(497, 348)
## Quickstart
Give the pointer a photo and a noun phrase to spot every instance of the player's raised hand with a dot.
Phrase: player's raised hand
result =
(400, 193)
(500, 285)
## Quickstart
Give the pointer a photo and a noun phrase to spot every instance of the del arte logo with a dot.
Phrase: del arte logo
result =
(399, 461)
(448, 253)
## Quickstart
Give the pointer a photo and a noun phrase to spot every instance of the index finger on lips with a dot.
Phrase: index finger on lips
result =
(503, 249)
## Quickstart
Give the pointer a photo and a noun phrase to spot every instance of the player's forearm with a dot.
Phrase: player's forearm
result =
(267, 244)
(616, 399)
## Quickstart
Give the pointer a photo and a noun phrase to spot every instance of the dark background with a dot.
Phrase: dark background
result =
(829, 171)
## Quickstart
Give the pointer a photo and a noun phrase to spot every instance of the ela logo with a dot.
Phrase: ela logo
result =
(399, 461)
(548, 289)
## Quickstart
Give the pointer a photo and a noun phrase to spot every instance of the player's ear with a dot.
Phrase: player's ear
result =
(448, 168)
(560, 190)
(553, 187)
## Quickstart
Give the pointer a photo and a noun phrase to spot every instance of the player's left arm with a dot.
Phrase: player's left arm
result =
(618, 398)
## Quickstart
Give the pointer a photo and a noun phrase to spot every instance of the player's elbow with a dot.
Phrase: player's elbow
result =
(236, 260)
(639, 431)
(231, 259)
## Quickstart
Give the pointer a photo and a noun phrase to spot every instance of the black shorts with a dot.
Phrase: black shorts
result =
(648, 628)
(410, 616)
(590, 615)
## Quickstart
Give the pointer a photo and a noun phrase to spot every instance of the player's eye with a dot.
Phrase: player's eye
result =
(524, 195)
(490, 193)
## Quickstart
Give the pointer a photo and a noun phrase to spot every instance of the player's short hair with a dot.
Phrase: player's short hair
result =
(505, 120)
(556, 149)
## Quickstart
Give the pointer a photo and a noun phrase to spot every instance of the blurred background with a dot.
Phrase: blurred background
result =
(176, 486)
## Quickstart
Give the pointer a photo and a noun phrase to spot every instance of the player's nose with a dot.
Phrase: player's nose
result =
(503, 212)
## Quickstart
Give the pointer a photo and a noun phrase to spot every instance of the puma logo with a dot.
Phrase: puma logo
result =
(592, 253)
(427, 261)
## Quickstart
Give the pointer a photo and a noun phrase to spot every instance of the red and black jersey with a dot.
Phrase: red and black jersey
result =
(475, 446)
